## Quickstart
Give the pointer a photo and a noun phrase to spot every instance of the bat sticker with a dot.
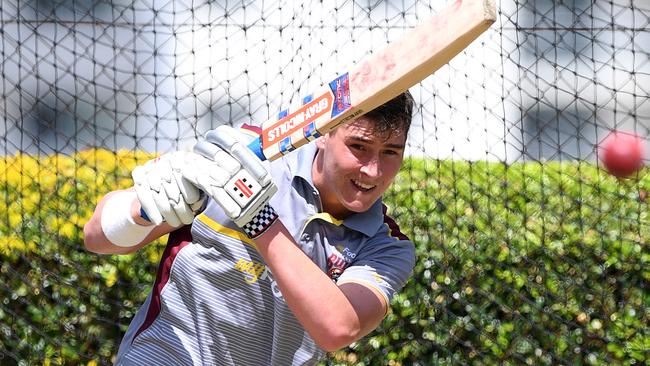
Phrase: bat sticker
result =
(341, 90)
(286, 146)
(298, 119)
(310, 132)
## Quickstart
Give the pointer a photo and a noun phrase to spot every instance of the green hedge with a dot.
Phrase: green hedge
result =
(522, 264)
(58, 303)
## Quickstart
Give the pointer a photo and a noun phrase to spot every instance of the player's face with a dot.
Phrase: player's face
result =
(354, 166)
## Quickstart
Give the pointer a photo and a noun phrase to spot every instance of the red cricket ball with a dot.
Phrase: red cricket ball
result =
(622, 153)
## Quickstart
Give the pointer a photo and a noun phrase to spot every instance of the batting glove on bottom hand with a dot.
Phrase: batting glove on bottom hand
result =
(165, 196)
(236, 179)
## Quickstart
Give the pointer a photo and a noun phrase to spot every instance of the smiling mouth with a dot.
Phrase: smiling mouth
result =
(362, 186)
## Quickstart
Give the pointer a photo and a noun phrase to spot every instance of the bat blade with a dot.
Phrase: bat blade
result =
(379, 78)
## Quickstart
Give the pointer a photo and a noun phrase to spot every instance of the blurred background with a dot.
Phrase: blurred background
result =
(528, 251)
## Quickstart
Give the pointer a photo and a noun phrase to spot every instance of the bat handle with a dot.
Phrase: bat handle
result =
(256, 147)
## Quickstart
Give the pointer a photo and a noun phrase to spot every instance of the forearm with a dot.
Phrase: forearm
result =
(95, 239)
(318, 304)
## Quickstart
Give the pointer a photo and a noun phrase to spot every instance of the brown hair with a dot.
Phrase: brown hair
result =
(394, 115)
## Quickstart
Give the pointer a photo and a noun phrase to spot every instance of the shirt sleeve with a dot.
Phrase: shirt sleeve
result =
(385, 264)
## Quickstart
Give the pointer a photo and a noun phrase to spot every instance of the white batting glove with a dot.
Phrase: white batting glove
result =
(236, 179)
(165, 196)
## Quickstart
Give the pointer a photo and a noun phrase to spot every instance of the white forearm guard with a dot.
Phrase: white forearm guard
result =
(117, 223)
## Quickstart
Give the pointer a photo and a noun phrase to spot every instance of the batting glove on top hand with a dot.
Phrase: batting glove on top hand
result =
(236, 179)
(165, 196)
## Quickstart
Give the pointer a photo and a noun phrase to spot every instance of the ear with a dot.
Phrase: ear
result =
(321, 142)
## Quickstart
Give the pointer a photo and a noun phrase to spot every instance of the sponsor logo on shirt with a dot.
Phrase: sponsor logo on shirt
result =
(345, 253)
(348, 254)
(335, 260)
(252, 270)
(255, 271)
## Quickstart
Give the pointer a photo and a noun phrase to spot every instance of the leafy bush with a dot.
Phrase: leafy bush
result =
(59, 303)
(522, 264)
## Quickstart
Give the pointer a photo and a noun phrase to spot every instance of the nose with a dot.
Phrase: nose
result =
(371, 167)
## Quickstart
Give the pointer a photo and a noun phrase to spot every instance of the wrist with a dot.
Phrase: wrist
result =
(261, 222)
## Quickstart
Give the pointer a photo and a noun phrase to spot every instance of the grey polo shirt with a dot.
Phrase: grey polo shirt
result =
(216, 303)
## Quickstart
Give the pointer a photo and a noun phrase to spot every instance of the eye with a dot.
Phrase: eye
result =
(391, 152)
(359, 147)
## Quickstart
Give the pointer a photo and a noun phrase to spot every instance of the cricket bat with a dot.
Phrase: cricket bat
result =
(377, 79)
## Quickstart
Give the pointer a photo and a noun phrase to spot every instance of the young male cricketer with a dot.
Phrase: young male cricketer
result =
(277, 281)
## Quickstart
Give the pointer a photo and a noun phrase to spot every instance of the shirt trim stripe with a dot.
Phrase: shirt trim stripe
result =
(177, 240)
(372, 286)
(325, 217)
(392, 226)
(226, 230)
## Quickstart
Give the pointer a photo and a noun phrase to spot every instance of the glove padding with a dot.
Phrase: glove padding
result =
(163, 192)
(232, 175)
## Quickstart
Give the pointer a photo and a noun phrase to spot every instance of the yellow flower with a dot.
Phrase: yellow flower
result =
(31, 201)
(13, 173)
(108, 272)
(29, 166)
(67, 230)
(11, 244)
(66, 189)
(105, 160)
(86, 174)
(59, 164)
(78, 220)
(15, 218)
(100, 159)
(55, 360)
(128, 159)
(47, 180)
(111, 278)
(54, 224)
(124, 183)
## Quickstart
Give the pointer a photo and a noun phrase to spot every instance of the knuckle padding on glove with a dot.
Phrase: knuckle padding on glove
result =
(163, 192)
(145, 195)
(180, 211)
(189, 193)
(207, 149)
(164, 198)
(216, 154)
(227, 202)
(246, 157)
(211, 177)
(222, 138)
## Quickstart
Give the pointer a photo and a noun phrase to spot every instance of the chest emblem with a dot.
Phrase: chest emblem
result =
(339, 258)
